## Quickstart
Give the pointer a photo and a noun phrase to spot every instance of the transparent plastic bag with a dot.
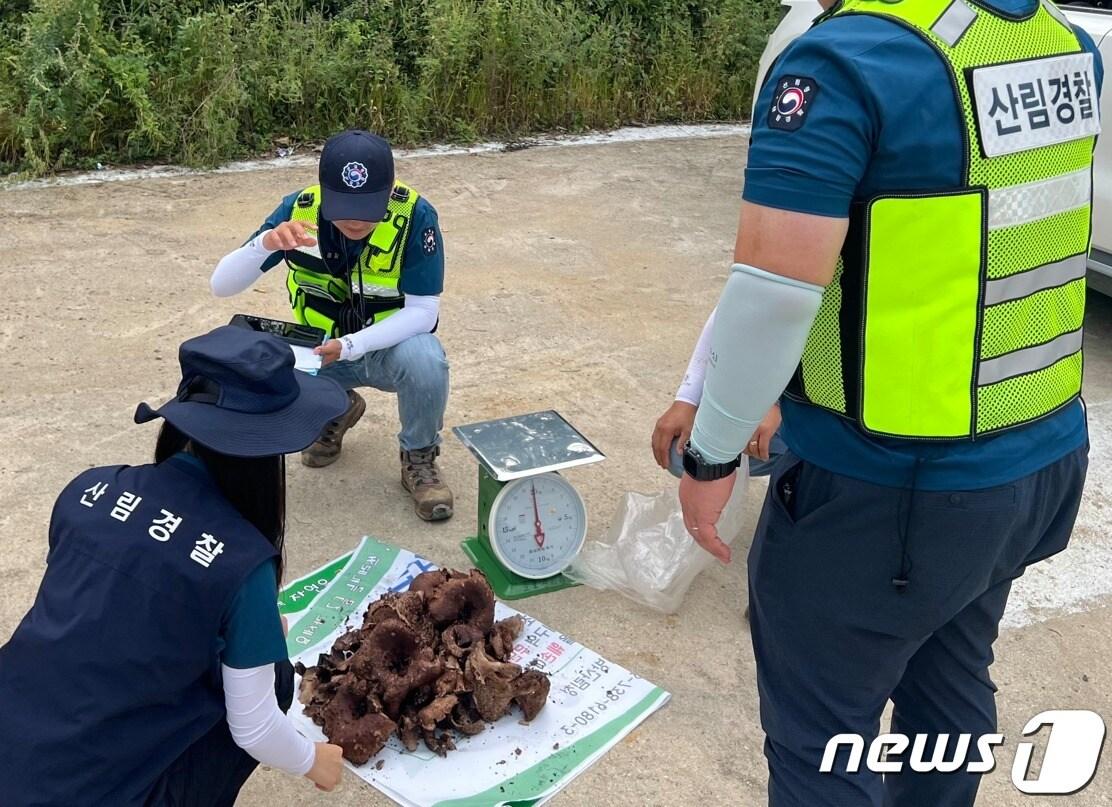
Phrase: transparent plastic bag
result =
(647, 554)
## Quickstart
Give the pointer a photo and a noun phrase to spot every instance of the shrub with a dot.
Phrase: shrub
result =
(199, 82)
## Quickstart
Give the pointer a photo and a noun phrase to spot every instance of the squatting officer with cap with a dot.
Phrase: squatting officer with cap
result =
(910, 266)
(365, 263)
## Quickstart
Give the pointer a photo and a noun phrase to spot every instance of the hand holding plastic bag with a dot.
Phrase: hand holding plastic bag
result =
(647, 554)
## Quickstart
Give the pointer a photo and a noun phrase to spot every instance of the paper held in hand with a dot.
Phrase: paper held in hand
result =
(305, 359)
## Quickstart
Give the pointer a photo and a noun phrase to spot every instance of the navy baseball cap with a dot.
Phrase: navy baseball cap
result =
(356, 176)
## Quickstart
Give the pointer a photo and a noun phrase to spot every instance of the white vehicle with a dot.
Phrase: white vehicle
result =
(1098, 24)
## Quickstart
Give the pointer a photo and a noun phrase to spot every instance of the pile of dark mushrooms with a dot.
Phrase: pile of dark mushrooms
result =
(424, 665)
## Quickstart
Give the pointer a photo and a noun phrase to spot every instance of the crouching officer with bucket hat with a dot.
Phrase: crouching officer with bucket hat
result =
(365, 263)
(152, 668)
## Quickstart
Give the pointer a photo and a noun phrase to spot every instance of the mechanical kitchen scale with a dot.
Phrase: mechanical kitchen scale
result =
(532, 521)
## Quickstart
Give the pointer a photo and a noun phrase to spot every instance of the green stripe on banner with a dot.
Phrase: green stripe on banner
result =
(365, 569)
(295, 597)
(528, 786)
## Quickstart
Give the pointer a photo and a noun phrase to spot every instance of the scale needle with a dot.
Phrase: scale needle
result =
(538, 536)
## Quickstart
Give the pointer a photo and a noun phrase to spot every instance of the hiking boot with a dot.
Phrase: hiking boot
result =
(421, 477)
(326, 450)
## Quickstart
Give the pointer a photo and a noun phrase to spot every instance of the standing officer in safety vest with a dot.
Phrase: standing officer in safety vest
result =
(910, 266)
(366, 264)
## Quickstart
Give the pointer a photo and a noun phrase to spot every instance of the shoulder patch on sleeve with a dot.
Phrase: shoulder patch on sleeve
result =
(428, 241)
(791, 101)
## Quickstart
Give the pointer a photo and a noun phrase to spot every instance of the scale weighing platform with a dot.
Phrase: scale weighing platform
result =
(532, 521)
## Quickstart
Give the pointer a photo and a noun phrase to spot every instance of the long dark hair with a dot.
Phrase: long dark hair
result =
(255, 486)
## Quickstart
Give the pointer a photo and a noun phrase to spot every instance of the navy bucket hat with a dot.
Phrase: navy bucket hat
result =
(240, 395)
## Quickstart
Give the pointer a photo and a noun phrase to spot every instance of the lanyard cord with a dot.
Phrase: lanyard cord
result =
(347, 278)
(901, 580)
(362, 296)
(344, 276)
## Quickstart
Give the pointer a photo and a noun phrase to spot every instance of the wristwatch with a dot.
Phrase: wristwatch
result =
(696, 466)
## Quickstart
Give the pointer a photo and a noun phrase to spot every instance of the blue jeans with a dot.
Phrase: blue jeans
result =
(417, 371)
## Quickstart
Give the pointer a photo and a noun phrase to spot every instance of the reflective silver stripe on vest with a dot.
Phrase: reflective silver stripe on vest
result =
(1047, 276)
(1031, 201)
(1029, 359)
(954, 22)
(1056, 13)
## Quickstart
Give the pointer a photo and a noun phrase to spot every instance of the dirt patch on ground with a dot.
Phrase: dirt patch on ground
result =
(578, 279)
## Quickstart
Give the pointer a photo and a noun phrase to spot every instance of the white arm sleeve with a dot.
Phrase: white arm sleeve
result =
(258, 725)
(691, 389)
(418, 316)
(240, 268)
(760, 328)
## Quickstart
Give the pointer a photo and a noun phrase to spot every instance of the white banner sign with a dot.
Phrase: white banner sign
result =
(1039, 102)
(592, 705)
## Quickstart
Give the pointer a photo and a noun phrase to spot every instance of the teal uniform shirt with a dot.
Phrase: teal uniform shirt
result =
(883, 116)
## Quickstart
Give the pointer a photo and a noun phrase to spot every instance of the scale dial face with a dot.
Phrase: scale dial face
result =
(537, 525)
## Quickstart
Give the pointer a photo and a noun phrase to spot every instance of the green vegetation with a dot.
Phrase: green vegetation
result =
(199, 82)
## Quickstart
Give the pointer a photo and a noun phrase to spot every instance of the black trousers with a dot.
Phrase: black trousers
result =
(860, 594)
(211, 772)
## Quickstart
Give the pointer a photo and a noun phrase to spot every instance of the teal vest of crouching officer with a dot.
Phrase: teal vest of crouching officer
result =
(159, 598)
(378, 296)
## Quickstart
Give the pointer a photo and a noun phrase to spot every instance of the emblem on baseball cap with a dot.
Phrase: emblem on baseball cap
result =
(356, 176)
